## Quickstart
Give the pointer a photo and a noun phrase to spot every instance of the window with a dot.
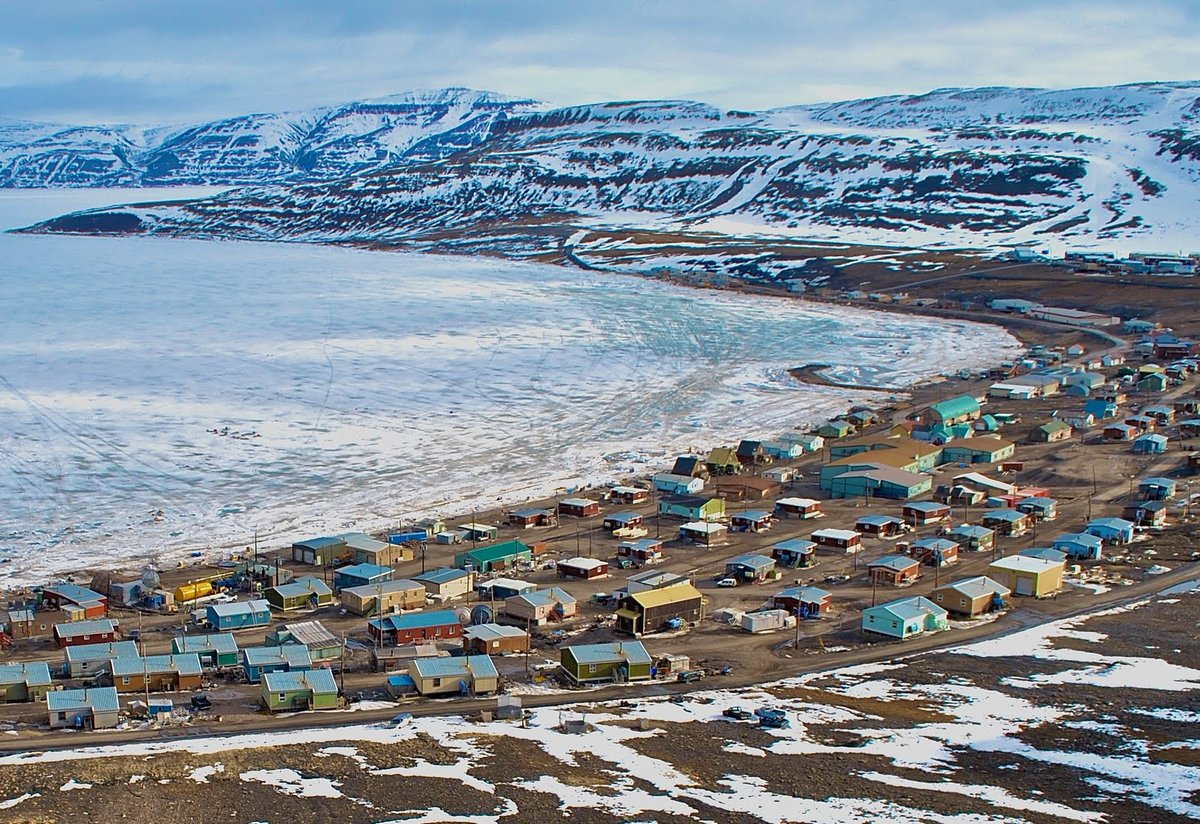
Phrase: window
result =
(125, 681)
(282, 697)
(870, 619)
(437, 682)
(591, 668)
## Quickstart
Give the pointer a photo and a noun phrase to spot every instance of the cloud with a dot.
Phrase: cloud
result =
(135, 60)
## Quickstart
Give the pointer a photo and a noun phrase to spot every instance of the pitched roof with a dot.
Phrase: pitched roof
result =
(187, 663)
(977, 586)
(492, 632)
(257, 607)
(303, 587)
(752, 560)
(31, 673)
(318, 681)
(100, 652)
(897, 563)
(384, 587)
(632, 651)
(294, 655)
(806, 594)
(1024, 563)
(100, 699)
(650, 598)
(363, 570)
(213, 642)
(92, 626)
(914, 607)
(478, 666)
(487, 554)
(417, 620)
(441, 576)
(543, 597)
(310, 634)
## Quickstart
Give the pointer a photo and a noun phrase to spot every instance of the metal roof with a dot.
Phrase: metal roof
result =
(800, 502)
(100, 699)
(915, 607)
(623, 517)
(879, 520)
(984, 481)
(362, 542)
(487, 554)
(32, 673)
(184, 663)
(1045, 553)
(899, 563)
(310, 634)
(586, 564)
(73, 592)
(631, 651)
(1023, 563)
(933, 543)
(294, 655)
(956, 407)
(92, 626)
(507, 583)
(307, 585)
(416, 620)
(977, 586)
(926, 506)
(441, 576)
(752, 560)
(582, 502)
(363, 570)
(655, 578)
(478, 666)
(1005, 515)
(321, 543)
(650, 598)
(384, 587)
(795, 545)
(752, 515)
(318, 681)
(971, 531)
(806, 594)
(100, 652)
(255, 607)
(544, 597)
(1119, 524)
(214, 642)
(492, 632)
(837, 534)
(1078, 538)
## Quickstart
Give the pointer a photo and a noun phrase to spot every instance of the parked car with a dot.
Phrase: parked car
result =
(688, 676)
(727, 582)
(836, 579)
(738, 713)
(201, 702)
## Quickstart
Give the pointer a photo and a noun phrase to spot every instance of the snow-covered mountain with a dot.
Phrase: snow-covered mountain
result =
(963, 167)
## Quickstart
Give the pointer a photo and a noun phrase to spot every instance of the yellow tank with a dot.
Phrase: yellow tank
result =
(190, 592)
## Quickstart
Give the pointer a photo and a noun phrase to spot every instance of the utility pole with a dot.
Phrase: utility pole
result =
(342, 667)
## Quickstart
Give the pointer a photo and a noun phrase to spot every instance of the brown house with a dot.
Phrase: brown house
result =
(162, 673)
(23, 624)
(578, 507)
(970, 596)
(494, 639)
(747, 488)
(894, 570)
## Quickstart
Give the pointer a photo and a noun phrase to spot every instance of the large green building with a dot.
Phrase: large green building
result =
(617, 662)
(497, 557)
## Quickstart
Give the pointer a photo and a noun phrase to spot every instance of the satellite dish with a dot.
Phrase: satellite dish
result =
(481, 614)
(150, 579)
(464, 615)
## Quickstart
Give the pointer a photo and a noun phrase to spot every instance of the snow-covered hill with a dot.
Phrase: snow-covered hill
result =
(960, 167)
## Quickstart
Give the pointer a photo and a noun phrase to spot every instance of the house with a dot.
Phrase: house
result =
(877, 481)
(596, 663)
(585, 568)
(1119, 432)
(363, 549)
(97, 708)
(833, 430)
(862, 418)
(24, 624)
(64, 594)
(629, 495)
(1186, 406)
(217, 650)
(898, 452)
(1193, 462)
(691, 507)
(962, 409)
(91, 631)
(84, 660)
(923, 513)
(494, 639)
(794, 553)
(669, 484)
(802, 508)
(322, 645)
(1161, 414)
(494, 558)
(751, 453)
(579, 507)
(238, 615)
(1079, 546)
(971, 597)
(641, 551)
(319, 551)
(894, 570)
(398, 630)
(782, 450)
(880, 526)
(1152, 444)
(1100, 409)
(540, 607)
(1044, 553)
(390, 596)
(1033, 577)
(972, 537)
(299, 690)
(156, 673)
(360, 575)
(752, 520)
(808, 441)
(622, 520)
(1052, 431)
(1142, 423)
(1040, 507)
(723, 461)
(20, 682)
(1156, 489)
(465, 675)
(1154, 382)
(1111, 530)
(935, 552)
(1146, 513)
(690, 466)
(746, 488)
(654, 610)
(803, 602)
(257, 661)
(644, 581)
(905, 618)
(394, 659)
(498, 589)
(703, 533)
(1010, 523)
(477, 533)
(1189, 428)
(446, 584)
(984, 449)
(303, 593)
(842, 540)
(750, 567)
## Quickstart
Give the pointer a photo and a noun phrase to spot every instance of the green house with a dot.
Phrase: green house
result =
(303, 593)
(596, 663)
(833, 430)
(692, 507)
(299, 690)
(1154, 382)
(495, 557)
(953, 411)
(216, 651)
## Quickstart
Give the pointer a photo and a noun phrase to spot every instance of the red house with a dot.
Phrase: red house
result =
(797, 508)
(93, 631)
(586, 568)
(920, 513)
(578, 507)
(63, 594)
(845, 540)
(415, 627)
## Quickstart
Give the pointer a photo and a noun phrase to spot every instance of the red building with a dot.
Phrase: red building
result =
(415, 627)
(578, 507)
(93, 631)
(585, 568)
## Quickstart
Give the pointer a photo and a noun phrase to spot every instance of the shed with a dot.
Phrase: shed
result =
(971, 597)
(299, 690)
(1034, 577)
(1079, 546)
(501, 556)
(648, 611)
(894, 570)
(751, 520)
(96, 708)
(585, 568)
(596, 663)
(303, 593)
(844, 540)
(1111, 530)
(794, 553)
(494, 639)
(750, 567)
(880, 526)
(466, 675)
(803, 602)
(905, 618)
(922, 513)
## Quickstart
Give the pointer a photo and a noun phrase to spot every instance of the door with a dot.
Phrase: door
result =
(1024, 586)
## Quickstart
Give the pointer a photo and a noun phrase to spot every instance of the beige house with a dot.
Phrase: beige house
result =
(447, 583)
(541, 607)
(464, 675)
(382, 598)
(1023, 575)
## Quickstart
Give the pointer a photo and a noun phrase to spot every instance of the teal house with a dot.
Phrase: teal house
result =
(951, 411)
(905, 618)
(880, 482)
(215, 651)
(496, 557)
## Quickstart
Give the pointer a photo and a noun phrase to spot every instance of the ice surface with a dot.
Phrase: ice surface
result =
(163, 396)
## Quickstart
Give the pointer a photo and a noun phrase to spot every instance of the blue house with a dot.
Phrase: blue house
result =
(1100, 409)
(238, 615)
(359, 575)
(905, 618)
(1151, 444)
(256, 661)
(1079, 546)
(1157, 489)
(1111, 530)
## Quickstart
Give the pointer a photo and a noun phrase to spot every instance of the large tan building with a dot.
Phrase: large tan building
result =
(382, 598)
(1027, 576)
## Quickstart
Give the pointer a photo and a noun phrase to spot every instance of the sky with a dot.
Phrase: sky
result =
(136, 61)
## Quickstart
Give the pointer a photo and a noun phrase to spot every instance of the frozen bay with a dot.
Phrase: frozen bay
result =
(161, 396)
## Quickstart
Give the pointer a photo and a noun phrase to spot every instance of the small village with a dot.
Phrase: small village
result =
(1046, 485)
